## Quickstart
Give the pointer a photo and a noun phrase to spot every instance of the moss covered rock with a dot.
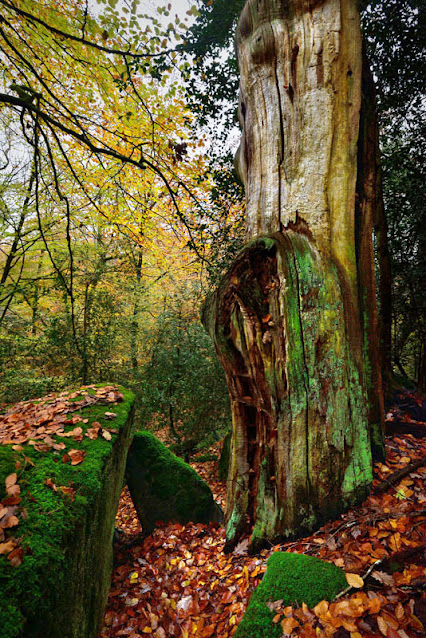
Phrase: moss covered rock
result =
(61, 587)
(225, 456)
(294, 579)
(165, 488)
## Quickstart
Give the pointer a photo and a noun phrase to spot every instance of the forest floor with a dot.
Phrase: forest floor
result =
(178, 581)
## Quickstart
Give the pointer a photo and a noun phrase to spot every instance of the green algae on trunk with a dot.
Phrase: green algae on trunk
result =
(300, 446)
(165, 488)
(294, 579)
(61, 588)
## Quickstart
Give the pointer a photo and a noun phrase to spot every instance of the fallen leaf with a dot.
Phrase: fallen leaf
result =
(77, 456)
(383, 577)
(354, 580)
(14, 490)
(10, 521)
(16, 557)
(242, 547)
(288, 625)
(11, 480)
(50, 484)
(382, 625)
(70, 491)
(321, 609)
(5, 548)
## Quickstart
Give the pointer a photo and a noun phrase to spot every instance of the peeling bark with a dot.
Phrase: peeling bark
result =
(294, 320)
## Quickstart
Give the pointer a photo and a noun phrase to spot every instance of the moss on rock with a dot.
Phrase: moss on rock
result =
(294, 579)
(61, 588)
(165, 488)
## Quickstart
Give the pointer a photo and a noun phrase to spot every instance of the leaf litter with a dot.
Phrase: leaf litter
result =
(178, 581)
(39, 423)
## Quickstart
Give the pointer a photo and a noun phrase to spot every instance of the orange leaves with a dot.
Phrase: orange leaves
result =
(288, 625)
(195, 590)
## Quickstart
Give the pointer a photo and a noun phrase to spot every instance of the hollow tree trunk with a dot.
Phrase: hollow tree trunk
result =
(293, 318)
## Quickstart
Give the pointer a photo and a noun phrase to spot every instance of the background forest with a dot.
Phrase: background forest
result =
(119, 205)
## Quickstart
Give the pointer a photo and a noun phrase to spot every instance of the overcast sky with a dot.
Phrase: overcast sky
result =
(149, 6)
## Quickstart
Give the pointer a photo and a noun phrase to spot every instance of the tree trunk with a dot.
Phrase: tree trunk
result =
(134, 326)
(294, 320)
(368, 199)
(385, 279)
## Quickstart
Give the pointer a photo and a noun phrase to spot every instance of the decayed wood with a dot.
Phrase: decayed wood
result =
(294, 320)
(300, 96)
(300, 449)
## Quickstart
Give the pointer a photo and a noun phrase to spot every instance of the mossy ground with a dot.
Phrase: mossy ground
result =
(294, 579)
(54, 529)
(164, 487)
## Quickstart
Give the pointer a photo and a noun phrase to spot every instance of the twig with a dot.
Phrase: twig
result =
(367, 573)
(399, 474)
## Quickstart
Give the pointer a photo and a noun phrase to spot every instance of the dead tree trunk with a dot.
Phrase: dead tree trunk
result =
(294, 320)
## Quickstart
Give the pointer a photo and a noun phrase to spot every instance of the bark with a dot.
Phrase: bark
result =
(385, 280)
(421, 385)
(294, 320)
(368, 198)
(134, 326)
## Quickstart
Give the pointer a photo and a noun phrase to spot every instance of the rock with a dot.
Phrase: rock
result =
(294, 579)
(66, 525)
(165, 488)
(225, 455)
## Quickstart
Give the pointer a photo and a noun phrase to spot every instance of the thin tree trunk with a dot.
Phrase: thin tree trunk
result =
(385, 278)
(368, 193)
(134, 328)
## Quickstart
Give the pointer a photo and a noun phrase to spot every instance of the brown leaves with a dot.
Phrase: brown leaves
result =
(5, 548)
(76, 456)
(242, 548)
(16, 556)
(8, 506)
(70, 491)
(51, 484)
(10, 481)
(12, 488)
(48, 425)
(15, 553)
(194, 590)
(36, 423)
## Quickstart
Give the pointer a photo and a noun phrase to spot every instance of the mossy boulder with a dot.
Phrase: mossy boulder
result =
(225, 456)
(294, 579)
(165, 488)
(61, 587)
